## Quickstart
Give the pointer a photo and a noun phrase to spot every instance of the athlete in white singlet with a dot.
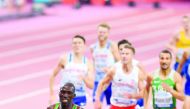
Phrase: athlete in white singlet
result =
(75, 68)
(104, 53)
(127, 81)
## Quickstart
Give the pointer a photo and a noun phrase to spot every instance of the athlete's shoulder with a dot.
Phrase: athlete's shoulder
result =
(177, 32)
(63, 58)
(176, 76)
(94, 45)
(112, 43)
(135, 62)
(88, 60)
(155, 73)
(77, 107)
(117, 64)
(50, 107)
(53, 106)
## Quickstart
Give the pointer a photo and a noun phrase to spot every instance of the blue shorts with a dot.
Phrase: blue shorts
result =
(187, 88)
(80, 101)
(140, 102)
(106, 93)
(176, 66)
(187, 76)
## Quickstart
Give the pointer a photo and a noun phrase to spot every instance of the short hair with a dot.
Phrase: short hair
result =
(105, 25)
(128, 44)
(166, 51)
(80, 37)
(123, 41)
(69, 85)
(186, 17)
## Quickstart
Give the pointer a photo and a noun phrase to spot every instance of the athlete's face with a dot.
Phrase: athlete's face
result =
(186, 23)
(78, 45)
(66, 95)
(165, 61)
(103, 33)
(126, 54)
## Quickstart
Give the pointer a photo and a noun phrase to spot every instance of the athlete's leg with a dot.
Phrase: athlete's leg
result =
(187, 102)
(81, 101)
(94, 93)
(108, 93)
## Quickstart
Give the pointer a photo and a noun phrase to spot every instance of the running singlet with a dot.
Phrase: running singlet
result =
(183, 43)
(71, 73)
(58, 106)
(124, 84)
(103, 58)
(161, 98)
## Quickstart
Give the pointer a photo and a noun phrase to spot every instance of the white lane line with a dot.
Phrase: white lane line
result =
(149, 25)
(48, 57)
(46, 90)
(25, 96)
(124, 21)
(31, 61)
(62, 25)
(25, 77)
(141, 50)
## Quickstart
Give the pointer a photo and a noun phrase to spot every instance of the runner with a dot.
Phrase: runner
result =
(165, 84)
(127, 81)
(77, 69)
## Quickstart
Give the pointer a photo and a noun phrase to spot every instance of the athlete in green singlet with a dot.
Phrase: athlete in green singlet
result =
(165, 84)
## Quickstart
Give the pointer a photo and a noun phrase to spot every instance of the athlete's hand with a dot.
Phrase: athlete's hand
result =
(108, 70)
(105, 70)
(149, 79)
(148, 82)
(81, 77)
(97, 104)
(166, 87)
(130, 96)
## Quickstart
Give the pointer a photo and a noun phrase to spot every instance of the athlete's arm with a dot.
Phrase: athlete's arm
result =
(172, 43)
(141, 67)
(115, 51)
(105, 82)
(89, 79)
(182, 61)
(141, 87)
(91, 51)
(148, 91)
(103, 85)
(148, 102)
(51, 107)
(57, 69)
(178, 93)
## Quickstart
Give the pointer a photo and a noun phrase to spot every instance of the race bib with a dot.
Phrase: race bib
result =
(163, 99)
(126, 102)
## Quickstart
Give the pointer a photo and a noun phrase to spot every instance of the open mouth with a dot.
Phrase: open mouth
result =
(164, 66)
(64, 100)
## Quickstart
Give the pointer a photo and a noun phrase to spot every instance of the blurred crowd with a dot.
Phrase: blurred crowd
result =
(17, 8)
